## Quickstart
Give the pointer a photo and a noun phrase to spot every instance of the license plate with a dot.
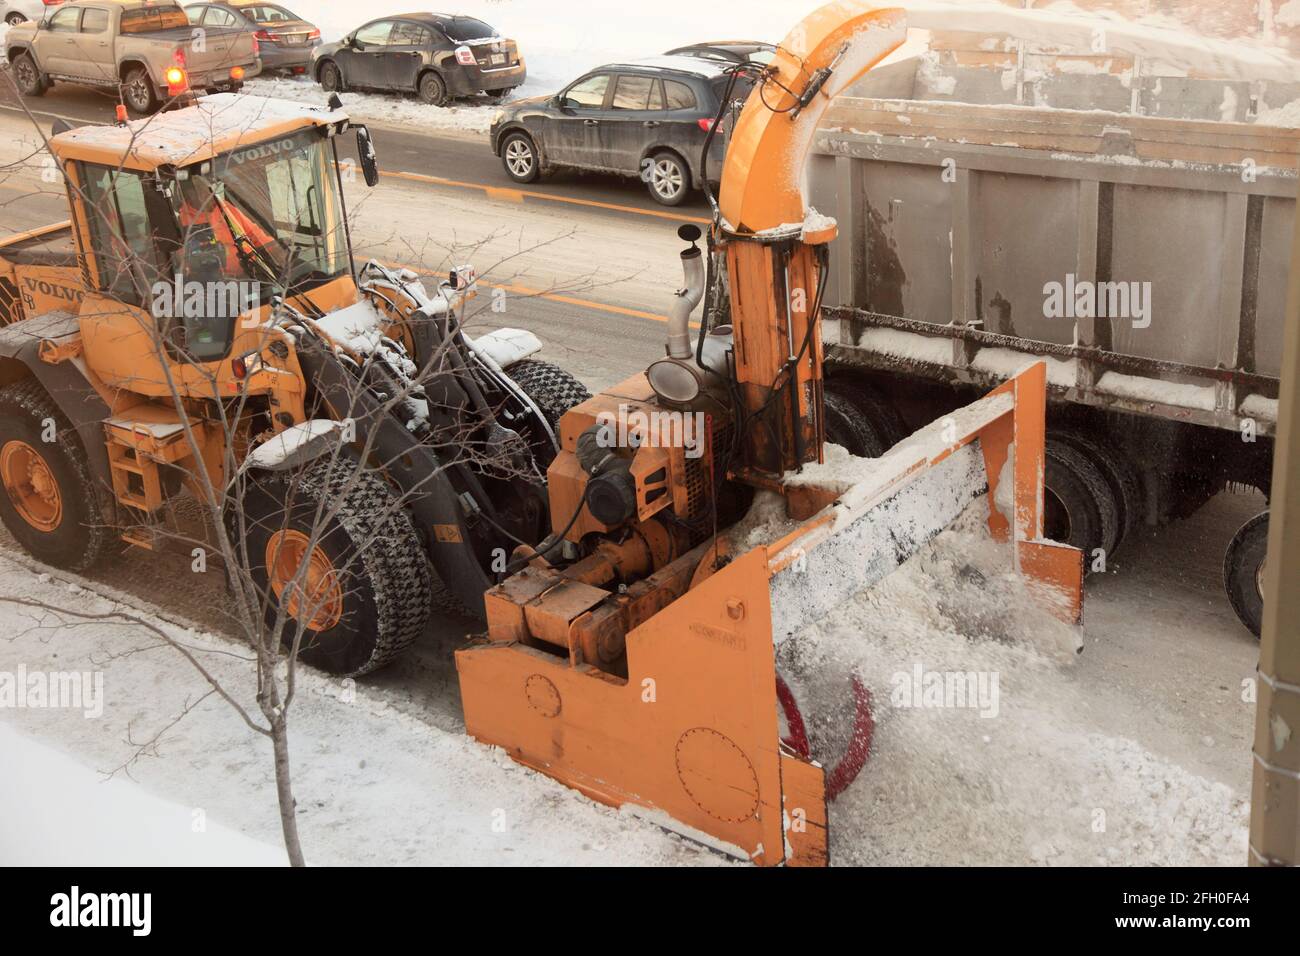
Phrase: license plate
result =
(498, 59)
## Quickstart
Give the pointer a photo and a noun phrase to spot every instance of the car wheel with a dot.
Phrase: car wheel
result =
(331, 78)
(519, 156)
(15, 18)
(138, 92)
(668, 179)
(433, 90)
(27, 76)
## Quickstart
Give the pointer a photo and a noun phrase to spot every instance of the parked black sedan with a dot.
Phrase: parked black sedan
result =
(285, 40)
(648, 118)
(435, 55)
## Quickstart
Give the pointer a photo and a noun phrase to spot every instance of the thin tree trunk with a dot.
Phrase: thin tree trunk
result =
(284, 790)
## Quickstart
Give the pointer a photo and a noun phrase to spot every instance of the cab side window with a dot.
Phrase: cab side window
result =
(117, 215)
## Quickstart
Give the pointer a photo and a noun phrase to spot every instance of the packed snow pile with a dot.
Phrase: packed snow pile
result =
(401, 110)
(984, 750)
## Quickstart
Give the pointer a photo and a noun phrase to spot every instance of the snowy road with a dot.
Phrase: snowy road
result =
(1154, 706)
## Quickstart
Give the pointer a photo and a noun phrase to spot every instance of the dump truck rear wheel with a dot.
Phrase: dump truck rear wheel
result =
(28, 76)
(847, 427)
(364, 596)
(49, 500)
(1119, 474)
(1079, 508)
(877, 409)
(1243, 572)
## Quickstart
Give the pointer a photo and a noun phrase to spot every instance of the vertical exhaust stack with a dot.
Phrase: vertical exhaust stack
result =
(689, 297)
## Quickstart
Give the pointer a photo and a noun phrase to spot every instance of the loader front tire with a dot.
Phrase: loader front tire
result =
(364, 595)
(554, 391)
(49, 500)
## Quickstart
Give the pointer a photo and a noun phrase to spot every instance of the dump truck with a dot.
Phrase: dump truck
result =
(1142, 253)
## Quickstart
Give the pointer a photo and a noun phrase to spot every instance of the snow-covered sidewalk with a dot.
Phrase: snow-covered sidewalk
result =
(374, 786)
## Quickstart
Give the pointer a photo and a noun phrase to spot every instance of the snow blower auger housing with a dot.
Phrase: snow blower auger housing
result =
(632, 655)
(206, 332)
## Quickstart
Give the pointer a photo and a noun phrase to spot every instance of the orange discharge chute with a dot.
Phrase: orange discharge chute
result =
(762, 180)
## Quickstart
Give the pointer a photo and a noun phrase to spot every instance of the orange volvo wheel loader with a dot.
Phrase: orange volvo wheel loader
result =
(632, 655)
(199, 322)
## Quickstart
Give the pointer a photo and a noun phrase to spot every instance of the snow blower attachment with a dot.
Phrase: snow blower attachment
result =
(632, 655)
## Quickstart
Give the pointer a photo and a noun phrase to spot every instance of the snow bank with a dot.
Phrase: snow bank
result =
(58, 813)
(1026, 776)
(374, 785)
(393, 108)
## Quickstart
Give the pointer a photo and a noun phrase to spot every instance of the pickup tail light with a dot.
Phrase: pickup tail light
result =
(465, 56)
(706, 123)
(236, 73)
(175, 78)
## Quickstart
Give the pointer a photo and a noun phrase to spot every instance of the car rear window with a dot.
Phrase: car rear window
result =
(267, 14)
(149, 19)
(679, 95)
(461, 29)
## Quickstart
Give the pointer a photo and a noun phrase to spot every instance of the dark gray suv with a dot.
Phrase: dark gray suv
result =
(647, 119)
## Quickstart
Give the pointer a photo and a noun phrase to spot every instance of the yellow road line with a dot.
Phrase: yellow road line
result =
(518, 195)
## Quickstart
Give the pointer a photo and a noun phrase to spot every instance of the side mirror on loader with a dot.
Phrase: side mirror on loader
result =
(366, 152)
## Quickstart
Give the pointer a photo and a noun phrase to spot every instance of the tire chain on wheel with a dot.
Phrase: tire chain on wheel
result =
(31, 399)
(551, 388)
(392, 557)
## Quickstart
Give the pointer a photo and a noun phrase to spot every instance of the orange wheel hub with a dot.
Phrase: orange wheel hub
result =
(286, 553)
(31, 485)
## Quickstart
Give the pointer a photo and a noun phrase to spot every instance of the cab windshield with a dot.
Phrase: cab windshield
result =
(264, 219)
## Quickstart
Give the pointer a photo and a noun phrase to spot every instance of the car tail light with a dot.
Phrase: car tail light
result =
(465, 56)
(52, 3)
(314, 35)
(706, 123)
(265, 36)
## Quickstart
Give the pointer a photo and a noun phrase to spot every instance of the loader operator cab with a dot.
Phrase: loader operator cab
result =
(199, 244)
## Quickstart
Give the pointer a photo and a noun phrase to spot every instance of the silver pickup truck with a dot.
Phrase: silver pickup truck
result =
(149, 51)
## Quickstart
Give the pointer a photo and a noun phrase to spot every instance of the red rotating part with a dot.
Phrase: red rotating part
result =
(859, 749)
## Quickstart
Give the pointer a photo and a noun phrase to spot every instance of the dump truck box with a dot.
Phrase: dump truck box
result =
(972, 234)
